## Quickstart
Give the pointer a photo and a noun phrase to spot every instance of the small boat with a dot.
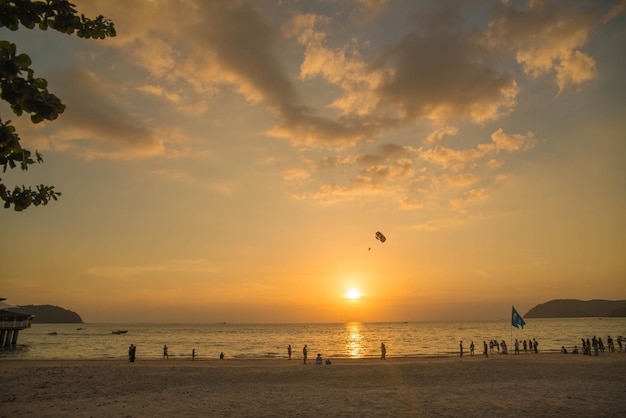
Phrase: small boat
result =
(119, 331)
(79, 329)
(52, 333)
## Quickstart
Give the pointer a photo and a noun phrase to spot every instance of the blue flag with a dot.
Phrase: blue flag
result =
(517, 320)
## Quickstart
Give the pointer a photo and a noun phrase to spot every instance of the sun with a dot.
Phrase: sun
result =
(353, 294)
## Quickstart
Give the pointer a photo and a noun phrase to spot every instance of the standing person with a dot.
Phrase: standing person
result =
(535, 344)
(289, 351)
(461, 348)
(165, 355)
(383, 351)
(516, 346)
(485, 349)
(193, 354)
(472, 348)
(130, 353)
(304, 353)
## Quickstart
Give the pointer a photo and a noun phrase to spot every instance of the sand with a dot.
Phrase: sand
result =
(525, 385)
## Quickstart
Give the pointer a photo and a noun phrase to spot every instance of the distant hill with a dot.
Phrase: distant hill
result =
(49, 314)
(573, 308)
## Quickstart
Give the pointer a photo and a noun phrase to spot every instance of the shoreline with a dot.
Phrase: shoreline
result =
(10, 355)
(505, 385)
(187, 358)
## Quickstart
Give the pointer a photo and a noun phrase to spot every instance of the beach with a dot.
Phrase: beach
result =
(501, 385)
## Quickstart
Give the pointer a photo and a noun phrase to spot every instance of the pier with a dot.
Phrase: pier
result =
(11, 323)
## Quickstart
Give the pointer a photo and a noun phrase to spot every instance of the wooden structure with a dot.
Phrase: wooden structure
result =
(11, 323)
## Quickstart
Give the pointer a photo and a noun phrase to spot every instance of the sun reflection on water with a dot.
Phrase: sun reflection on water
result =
(354, 340)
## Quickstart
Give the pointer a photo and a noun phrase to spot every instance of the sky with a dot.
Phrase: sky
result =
(232, 161)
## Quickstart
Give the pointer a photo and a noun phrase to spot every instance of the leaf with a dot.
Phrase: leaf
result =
(23, 61)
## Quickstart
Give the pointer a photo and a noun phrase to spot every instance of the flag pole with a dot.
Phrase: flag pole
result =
(512, 329)
(516, 321)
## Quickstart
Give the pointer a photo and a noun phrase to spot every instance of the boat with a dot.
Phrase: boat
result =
(52, 333)
(119, 331)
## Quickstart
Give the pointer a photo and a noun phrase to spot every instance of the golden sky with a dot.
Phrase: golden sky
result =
(233, 160)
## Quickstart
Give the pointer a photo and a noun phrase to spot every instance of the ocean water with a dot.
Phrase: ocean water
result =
(269, 341)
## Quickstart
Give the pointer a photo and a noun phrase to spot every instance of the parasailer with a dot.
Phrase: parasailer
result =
(380, 237)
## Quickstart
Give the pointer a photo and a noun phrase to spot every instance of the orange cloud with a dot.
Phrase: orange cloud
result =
(471, 197)
(546, 38)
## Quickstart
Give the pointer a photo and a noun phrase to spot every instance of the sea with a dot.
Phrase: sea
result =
(99, 341)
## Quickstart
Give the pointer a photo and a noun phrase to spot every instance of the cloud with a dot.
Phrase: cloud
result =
(546, 37)
(387, 171)
(494, 163)
(407, 175)
(293, 174)
(442, 77)
(439, 70)
(456, 160)
(439, 133)
(342, 66)
(510, 143)
(462, 180)
(96, 124)
(372, 8)
(469, 198)
(439, 76)
(617, 9)
(159, 91)
(575, 69)
(335, 95)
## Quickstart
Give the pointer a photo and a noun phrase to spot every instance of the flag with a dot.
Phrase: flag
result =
(516, 319)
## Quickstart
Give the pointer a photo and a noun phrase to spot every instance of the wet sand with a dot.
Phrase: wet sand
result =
(501, 385)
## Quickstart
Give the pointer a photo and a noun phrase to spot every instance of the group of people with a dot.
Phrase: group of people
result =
(528, 346)
(319, 360)
(132, 353)
(494, 345)
(472, 347)
(596, 345)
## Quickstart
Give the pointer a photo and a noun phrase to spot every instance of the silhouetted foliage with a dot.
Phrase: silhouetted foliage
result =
(26, 93)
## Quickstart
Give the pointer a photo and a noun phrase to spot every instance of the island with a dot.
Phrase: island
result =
(49, 314)
(573, 308)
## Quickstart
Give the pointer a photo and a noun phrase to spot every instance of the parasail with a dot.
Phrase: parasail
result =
(380, 237)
